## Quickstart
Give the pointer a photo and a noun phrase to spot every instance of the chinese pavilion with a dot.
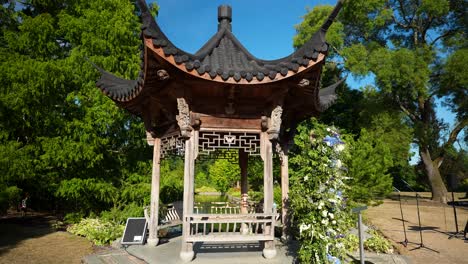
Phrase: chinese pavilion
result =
(222, 97)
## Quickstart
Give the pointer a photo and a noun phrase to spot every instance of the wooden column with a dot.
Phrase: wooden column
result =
(267, 155)
(154, 204)
(243, 163)
(186, 252)
(285, 192)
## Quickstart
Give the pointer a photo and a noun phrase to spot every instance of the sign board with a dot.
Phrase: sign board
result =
(358, 209)
(135, 231)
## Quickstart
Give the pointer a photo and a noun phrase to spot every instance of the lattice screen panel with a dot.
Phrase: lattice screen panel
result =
(219, 145)
(172, 145)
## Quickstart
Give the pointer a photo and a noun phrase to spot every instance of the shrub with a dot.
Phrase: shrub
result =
(350, 242)
(378, 243)
(120, 216)
(100, 232)
(73, 218)
(317, 194)
(10, 196)
(205, 189)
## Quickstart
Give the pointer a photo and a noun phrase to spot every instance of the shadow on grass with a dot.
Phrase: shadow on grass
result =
(14, 229)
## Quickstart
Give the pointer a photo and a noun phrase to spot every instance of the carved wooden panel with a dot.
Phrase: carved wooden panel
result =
(172, 145)
(215, 144)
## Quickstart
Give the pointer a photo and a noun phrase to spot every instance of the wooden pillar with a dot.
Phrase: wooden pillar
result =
(285, 193)
(154, 204)
(243, 163)
(267, 155)
(186, 252)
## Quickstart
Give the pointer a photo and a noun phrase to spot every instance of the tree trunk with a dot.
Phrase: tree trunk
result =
(439, 191)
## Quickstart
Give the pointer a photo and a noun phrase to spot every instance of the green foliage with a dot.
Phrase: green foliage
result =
(378, 243)
(368, 168)
(317, 193)
(235, 192)
(277, 196)
(10, 196)
(350, 242)
(312, 22)
(73, 218)
(224, 174)
(61, 140)
(415, 51)
(120, 216)
(172, 180)
(205, 189)
(99, 231)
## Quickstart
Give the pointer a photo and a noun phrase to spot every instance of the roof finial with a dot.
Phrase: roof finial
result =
(224, 16)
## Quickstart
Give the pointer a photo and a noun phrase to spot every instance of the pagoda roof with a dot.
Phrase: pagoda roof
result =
(224, 56)
(222, 59)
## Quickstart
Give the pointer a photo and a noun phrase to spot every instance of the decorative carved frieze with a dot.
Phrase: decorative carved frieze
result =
(275, 123)
(183, 118)
(216, 144)
(172, 145)
(280, 152)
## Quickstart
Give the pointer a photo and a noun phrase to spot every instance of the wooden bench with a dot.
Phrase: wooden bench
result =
(172, 215)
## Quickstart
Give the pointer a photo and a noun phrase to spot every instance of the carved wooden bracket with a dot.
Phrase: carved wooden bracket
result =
(162, 75)
(183, 118)
(275, 123)
(304, 83)
(264, 123)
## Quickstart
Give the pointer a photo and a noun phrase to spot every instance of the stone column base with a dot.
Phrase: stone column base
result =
(152, 242)
(187, 256)
(269, 253)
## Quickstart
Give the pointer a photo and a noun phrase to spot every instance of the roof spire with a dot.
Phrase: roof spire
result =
(224, 17)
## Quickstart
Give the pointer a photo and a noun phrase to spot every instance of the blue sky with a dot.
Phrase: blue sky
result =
(264, 27)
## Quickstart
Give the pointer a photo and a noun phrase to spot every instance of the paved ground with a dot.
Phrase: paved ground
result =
(437, 224)
(31, 240)
(228, 253)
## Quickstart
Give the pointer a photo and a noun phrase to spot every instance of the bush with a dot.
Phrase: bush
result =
(205, 189)
(120, 216)
(73, 218)
(350, 242)
(100, 232)
(318, 192)
(10, 196)
(235, 192)
(378, 243)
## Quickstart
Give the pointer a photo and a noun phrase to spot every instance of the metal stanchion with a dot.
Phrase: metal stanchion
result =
(405, 242)
(421, 244)
(358, 210)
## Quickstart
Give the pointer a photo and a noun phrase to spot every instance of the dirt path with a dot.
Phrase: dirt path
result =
(31, 240)
(437, 224)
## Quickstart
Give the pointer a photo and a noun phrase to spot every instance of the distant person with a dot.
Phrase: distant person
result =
(24, 205)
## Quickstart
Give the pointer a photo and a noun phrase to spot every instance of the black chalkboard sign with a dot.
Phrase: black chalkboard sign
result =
(135, 231)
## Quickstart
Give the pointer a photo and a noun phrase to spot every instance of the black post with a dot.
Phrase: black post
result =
(455, 212)
(421, 245)
(452, 187)
(419, 220)
(405, 242)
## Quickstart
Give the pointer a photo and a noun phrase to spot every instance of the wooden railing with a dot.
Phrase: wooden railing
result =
(230, 227)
